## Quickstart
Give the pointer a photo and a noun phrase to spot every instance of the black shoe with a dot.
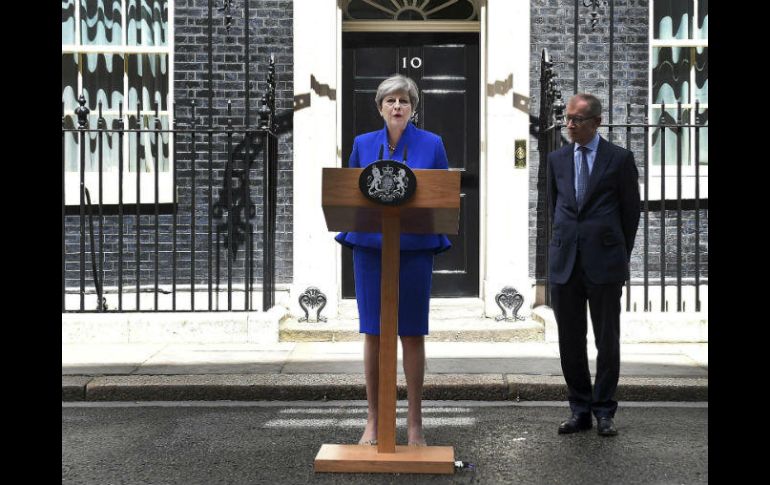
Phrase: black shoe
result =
(605, 427)
(575, 423)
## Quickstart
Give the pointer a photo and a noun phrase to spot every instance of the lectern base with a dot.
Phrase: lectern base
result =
(366, 459)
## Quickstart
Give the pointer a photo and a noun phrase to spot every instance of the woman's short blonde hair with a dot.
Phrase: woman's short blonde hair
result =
(397, 82)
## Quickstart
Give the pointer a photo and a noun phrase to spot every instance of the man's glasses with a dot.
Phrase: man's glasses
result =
(577, 119)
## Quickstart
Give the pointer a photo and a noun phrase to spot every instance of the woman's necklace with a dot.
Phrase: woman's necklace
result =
(391, 148)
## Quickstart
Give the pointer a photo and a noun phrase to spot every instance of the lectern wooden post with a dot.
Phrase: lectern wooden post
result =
(434, 208)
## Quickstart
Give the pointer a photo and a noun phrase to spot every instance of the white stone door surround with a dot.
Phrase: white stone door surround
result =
(504, 190)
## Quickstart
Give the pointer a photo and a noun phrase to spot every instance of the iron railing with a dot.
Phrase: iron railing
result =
(660, 261)
(229, 228)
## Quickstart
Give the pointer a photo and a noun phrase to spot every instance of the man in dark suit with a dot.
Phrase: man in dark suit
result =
(593, 195)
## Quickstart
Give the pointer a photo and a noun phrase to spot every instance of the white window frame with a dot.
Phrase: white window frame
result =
(110, 180)
(688, 169)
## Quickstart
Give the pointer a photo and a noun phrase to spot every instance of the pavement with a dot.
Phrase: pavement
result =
(481, 371)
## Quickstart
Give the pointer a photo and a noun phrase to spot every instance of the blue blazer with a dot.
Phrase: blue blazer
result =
(425, 150)
(604, 228)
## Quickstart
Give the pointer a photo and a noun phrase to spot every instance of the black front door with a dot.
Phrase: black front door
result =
(445, 67)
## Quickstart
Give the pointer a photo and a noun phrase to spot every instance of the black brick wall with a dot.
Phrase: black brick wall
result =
(270, 33)
(552, 27)
(552, 24)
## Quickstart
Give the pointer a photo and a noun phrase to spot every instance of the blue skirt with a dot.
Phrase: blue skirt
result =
(414, 281)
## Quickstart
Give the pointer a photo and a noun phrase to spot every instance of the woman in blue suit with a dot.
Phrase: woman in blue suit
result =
(396, 100)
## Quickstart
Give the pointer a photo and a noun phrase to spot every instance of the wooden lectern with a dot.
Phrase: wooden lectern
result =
(434, 208)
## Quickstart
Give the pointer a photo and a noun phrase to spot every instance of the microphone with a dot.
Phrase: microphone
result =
(404, 152)
(379, 157)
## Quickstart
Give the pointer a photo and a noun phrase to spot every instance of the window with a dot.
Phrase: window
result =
(410, 10)
(118, 52)
(679, 73)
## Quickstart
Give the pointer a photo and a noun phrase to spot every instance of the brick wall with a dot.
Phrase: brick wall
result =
(553, 27)
(270, 32)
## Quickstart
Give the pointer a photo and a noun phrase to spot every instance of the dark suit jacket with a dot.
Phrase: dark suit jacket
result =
(425, 150)
(603, 230)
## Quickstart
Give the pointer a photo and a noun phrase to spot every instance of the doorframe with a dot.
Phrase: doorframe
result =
(455, 28)
(399, 26)
(318, 28)
(419, 26)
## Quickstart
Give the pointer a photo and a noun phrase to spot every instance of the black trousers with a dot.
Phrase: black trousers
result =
(569, 306)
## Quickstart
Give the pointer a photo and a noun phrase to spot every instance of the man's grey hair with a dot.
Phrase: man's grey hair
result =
(594, 105)
(398, 82)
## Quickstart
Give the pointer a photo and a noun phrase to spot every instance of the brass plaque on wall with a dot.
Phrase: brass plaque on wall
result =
(520, 154)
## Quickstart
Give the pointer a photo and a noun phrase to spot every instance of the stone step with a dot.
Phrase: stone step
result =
(440, 309)
(441, 330)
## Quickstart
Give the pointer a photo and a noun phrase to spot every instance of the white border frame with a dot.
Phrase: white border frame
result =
(688, 170)
(110, 178)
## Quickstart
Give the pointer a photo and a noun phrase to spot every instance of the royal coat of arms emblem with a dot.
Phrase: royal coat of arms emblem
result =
(387, 182)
